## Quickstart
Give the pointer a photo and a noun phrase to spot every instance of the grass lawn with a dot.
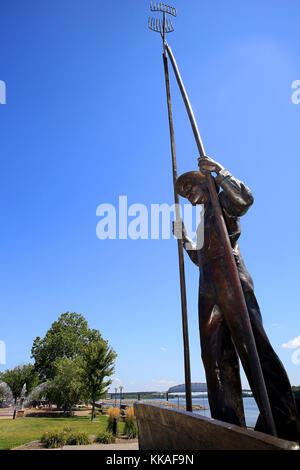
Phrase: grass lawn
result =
(15, 432)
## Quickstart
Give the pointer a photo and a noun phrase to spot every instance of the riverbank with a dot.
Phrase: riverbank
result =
(200, 405)
(166, 403)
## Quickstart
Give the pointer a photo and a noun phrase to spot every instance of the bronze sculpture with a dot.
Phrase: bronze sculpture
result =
(228, 278)
(221, 331)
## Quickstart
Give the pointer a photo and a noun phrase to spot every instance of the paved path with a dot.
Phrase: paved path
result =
(117, 446)
(6, 413)
(121, 444)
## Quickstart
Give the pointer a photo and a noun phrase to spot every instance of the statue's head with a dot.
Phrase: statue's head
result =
(192, 185)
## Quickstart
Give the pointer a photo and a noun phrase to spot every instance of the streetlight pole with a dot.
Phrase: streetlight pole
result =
(121, 388)
(116, 389)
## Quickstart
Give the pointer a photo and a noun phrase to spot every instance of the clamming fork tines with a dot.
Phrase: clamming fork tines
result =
(165, 25)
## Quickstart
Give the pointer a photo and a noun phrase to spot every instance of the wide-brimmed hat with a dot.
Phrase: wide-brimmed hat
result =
(191, 177)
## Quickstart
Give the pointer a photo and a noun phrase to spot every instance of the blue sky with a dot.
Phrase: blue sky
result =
(85, 122)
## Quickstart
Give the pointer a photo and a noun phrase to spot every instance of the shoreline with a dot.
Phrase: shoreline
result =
(164, 403)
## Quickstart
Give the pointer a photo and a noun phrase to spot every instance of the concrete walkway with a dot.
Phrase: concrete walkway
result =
(121, 444)
(117, 446)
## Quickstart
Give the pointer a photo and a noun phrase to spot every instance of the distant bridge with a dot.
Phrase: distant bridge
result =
(195, 387)
(199, 387)
(118, 394)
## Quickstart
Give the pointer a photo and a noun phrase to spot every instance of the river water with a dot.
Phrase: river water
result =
(250, 408)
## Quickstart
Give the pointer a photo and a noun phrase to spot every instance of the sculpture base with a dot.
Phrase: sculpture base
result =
(161, 428)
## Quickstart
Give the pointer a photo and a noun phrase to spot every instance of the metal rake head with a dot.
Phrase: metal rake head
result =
(164, 8)
(158, 25)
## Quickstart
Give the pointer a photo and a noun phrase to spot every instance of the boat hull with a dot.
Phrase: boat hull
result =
(161, 428)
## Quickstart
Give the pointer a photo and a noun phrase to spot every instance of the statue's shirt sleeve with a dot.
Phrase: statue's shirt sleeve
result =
(236, 198)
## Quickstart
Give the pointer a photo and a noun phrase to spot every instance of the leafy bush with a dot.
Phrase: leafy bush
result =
(130, 428)
(105, 438)
(78, 439)
(54, 439)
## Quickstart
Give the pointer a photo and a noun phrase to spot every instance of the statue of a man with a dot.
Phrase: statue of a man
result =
(221, 332)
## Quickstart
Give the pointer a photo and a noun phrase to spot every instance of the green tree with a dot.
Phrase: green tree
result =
(17, 377)
(65, 339)
(98, 360)
(14, 378)
(31, 377)
(66, 388)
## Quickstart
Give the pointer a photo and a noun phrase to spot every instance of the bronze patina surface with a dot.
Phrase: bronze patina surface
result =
(221, 330)
(229, 316)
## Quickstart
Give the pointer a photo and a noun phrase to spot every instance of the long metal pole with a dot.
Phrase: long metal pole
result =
(254, 362)
(187, 369)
